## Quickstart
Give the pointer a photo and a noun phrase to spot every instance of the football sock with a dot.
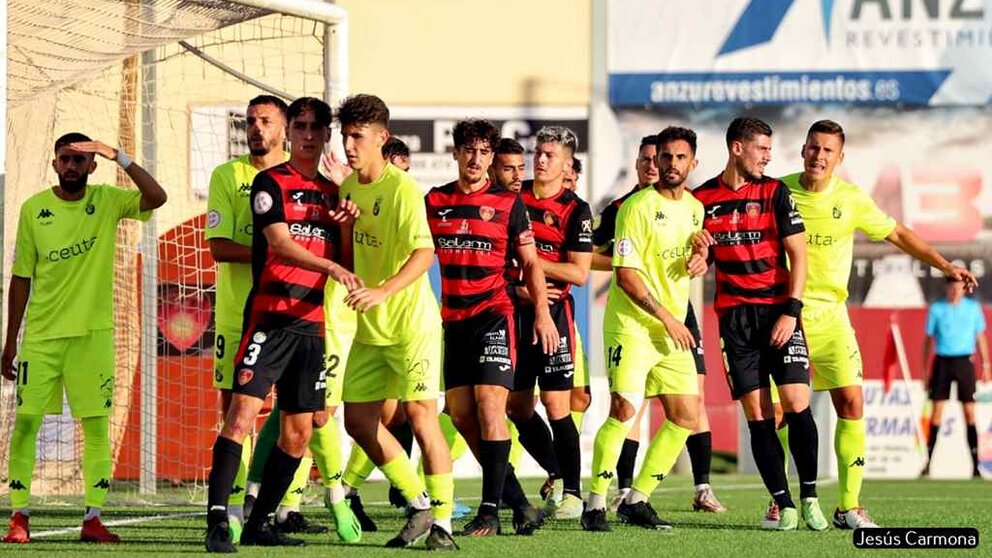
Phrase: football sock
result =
(493, 456)
(456, 443)
(626, 463)
(513, 493)
(577, 417)
(280, 469)
(264, 443)
(566, 445)
(767, 453)
(401, 473)
(97, 464)
(663, 450)
(535, 437)
(441, 489)
(516, 448)
(849, 444)
(804, 442)
(973, 446)
(932, 440)
(606, 451)
(700, 447)
(325, 446)
(226, 456)
(23, 444)
(240, 480)
(294, 493)
(358, 469)
(783, 440)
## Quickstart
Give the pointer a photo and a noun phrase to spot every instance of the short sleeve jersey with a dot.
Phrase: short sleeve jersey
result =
(955, 327)
(283, 295)
(229, 217)
(475, 237)
(831, 217)
(653, 237)
(67, 249)
(392, 224)
(562, 224)
(748, 225)
(606, 230)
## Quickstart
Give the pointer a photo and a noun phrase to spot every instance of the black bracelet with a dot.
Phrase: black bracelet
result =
(793, 307)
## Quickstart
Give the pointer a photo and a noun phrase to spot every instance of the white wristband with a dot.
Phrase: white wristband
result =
(123, 160)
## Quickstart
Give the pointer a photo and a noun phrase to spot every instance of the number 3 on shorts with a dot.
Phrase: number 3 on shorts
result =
(251, 354)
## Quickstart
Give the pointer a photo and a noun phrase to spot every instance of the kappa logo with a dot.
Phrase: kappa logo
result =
(298, 490)
(102, 484)
(244, 188)
(45, 214)
(438, 503)
(761, 19)
(605, 475)
(659, 215)
(695, 220)
(336, 476)
(237, 489)
(15, 484)
(245, 376)
(859, 462)
(658, 477)
(421, 387)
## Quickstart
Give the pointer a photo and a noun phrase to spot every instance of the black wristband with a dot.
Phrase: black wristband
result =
(793, 307)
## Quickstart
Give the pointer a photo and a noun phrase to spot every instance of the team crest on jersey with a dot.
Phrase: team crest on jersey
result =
(487, 213)
(837, 214)
(90, 209)
(550, 219)
(695, 220)
(377, 206)
(753, 209)
(259, 337)
(213, 219)
(245, 376)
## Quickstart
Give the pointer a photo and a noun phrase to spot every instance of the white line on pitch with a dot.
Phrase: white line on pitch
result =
(118, 523)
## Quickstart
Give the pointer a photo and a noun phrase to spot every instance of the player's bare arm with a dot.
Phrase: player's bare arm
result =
(574, 271)
(633, 285)
(545, 332)
(17, 301)
(907, 241)
(417, 264)
(282, 245)
(152, 194)
(795, 250)
(228, 251)
(983, 350)
(601, 259)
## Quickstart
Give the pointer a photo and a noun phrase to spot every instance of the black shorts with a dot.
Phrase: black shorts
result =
(697, 354)
(550, 373)
(745, 335)
(480, 351)
(958, 369)
(294, 363)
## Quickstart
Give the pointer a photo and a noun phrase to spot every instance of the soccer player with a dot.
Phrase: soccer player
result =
(295, 238)
(508, 166)
(832, 209)
(397, 153)
(397, 350)
(477, 228)
(648, 347)
(955, 325)
(563, 234)
(754, 235)
(228, 235)
(63, 274)
(700, 443)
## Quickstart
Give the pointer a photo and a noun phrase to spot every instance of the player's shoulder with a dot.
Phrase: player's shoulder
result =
(231, 167)
(570, 198)
(39, 199)
(401, 182)
(792, 182)
(620, 201)
(707, 189)
(692, 201)
(438, 194)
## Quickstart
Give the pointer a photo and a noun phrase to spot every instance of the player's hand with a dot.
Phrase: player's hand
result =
(554, 293)
(7, 363)
(364, 299)
(702, 240)
(523, 294)
(346, 213)
(784, 327)
(545, 333)
(333, 169)
(961, 274)
(350, 281)
(697, 266)
(680, 334)
(97, 147)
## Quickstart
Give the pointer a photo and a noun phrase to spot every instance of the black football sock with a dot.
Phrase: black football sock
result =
(226, 458)
(535, 437)
(973, 446)
(932, 440)
(804, 446)
(769, 458)
(513, 493)
(494, 456)
(566, 444)
(700, 448)
(626, 463)
(278, 475)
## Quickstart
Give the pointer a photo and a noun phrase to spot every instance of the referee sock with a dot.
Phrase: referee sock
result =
(566, 444)
(663, 450)
(932, 441)
(264, 443)
(225, 458)
(767, 453)
(97, 464)
(627, 461)
(849, 444)
(493, 456)
(358, 469)
(23, 447)
(535, 437)
(276, 478)
(804, 442)
(700, 447)
(973, 446)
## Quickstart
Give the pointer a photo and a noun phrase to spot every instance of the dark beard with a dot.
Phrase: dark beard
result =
(73, 186)
(261, 152)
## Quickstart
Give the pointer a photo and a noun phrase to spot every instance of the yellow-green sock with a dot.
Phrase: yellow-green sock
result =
(456, 444)
(301, 478)
(516, 448)
(96, 460)
(23, 444)
(401, 473)
(577, 417)
(783, 438)
(240, 479)
(358, 469)
(664, 449)
(325, 446)
(849, 443)
(606, 451)
(441, 489)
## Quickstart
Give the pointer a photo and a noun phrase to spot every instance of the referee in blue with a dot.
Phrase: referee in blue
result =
(955, 325)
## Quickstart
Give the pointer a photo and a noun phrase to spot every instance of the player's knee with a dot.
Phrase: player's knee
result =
(320, 419)
(624, 406)
(519, 410)
(581, 399)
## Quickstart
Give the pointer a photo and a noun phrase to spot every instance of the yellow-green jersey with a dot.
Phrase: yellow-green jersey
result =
(67, 249)
(229, 217)
(653, 236)
(831, 217)
(392, 224)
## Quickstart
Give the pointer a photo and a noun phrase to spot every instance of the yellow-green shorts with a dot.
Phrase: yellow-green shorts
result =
(226, 342)
(337, 346)
(648, 366)
(81, 366)
(833, 347)
(409, 372)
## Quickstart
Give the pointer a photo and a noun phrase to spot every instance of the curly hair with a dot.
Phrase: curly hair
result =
(363, 109)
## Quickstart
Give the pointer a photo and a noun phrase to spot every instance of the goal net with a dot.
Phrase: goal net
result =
(168, 82)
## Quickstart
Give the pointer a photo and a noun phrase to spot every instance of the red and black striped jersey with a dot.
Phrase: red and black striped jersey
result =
(562, 224)
(604, 233)
(748, 225)
(475, 236)
(283, 295)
